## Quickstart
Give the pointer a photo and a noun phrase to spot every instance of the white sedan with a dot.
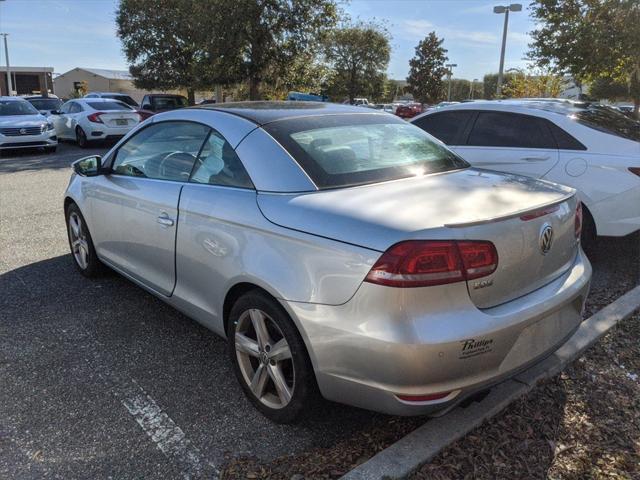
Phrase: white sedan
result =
(588, 147)
(88, 119)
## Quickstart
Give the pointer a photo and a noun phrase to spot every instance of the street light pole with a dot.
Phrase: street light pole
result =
(471, 90)
(6, 55)
(449, 73)
(514, 7)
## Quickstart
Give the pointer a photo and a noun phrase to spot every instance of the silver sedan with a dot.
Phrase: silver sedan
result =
(342, 252)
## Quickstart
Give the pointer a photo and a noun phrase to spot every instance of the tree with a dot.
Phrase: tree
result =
(163, 43)
(276, 32)
(609, 88)
(461, 90)
(490, 84)
(589, 39)
(195, 44)
(426, 69)
(537, 85)
(359, 55)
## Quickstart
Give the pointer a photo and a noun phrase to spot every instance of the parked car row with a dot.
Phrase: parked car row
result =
(38, 121)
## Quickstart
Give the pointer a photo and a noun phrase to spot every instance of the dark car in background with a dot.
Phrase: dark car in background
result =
(163, 102)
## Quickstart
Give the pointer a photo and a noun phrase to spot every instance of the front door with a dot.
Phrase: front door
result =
(135, 207)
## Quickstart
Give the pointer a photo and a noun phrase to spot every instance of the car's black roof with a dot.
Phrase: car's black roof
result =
(163, 94)
(262, 112)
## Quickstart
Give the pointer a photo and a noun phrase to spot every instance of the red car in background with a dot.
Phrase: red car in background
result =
(409, 110)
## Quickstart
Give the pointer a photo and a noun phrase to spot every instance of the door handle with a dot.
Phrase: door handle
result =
(535, 159)
(165, 221)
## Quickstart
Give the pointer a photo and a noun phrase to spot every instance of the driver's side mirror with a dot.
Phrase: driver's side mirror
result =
(88, 166)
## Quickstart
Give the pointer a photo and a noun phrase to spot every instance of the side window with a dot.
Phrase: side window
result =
(445, 126)
(500, 129)
(218, 164)
(564, 140)
(75, 107)
(65, 108)
(164, 151)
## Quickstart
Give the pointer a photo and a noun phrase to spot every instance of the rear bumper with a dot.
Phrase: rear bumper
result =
(618, 215)
(46, 139)
(102, 132)
(386, 342)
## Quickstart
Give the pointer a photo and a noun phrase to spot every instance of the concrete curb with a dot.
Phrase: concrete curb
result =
(417, 448)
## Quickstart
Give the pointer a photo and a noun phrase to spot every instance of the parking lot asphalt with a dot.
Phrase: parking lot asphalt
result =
(99, 379)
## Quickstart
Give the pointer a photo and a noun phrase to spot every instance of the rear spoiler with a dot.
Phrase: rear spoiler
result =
(518, 213)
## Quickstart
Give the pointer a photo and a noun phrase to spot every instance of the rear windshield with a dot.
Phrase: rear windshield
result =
(108, 106)
(123, 98)
(609, 121)
(17, 107)
(347, 150)
(169, 103)
(46, 103)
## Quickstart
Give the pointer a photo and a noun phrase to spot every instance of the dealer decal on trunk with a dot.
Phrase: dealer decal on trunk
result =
(472, 347)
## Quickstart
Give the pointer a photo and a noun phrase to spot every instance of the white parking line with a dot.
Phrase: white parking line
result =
(168, 437)
(163, 431)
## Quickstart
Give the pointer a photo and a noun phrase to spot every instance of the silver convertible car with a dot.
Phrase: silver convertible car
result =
(342, 252)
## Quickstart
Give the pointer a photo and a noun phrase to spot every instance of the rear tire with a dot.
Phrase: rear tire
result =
(81, 138)
(81, 244)
(270, 359)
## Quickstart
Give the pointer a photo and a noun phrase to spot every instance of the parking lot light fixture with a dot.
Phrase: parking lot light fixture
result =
(449, 73)
(504, 9)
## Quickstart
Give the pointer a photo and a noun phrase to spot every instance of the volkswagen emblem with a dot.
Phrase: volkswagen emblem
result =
(546, 238)
(23, 131)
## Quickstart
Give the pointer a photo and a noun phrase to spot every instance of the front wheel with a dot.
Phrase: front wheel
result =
(269, 358)
(81, 245)
(81, 138)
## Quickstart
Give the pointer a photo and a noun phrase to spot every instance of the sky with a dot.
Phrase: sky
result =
(65, 34)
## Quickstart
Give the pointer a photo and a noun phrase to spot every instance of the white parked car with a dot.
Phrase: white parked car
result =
(87, 119)
(589, 147)
(22, 126)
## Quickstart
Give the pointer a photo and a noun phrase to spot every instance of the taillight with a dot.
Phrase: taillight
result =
(578, 220)
(479, 259)
(95, 117)
(635, 170)
(422, 263)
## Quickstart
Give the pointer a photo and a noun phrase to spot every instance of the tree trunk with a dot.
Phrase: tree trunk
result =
(254, 88)
(191, 96)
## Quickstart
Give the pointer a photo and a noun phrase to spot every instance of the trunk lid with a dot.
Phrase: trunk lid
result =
(533, 249)
(467, 204)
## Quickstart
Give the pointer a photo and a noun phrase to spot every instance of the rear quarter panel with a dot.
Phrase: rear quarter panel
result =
(223, 240)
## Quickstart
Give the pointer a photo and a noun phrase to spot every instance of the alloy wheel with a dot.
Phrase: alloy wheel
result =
(79, 244)
(264, 358)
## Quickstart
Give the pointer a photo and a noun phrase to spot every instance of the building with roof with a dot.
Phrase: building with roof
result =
(84, 80)
(27, 80)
